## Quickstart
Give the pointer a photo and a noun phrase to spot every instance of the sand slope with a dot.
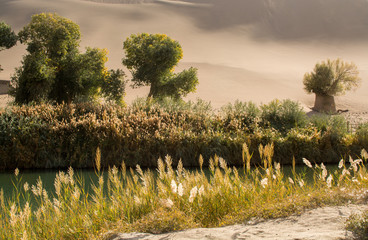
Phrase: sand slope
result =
(251, 50)
(325, 223)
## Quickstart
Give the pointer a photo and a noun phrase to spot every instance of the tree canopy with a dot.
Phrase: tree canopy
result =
(54, 69)
(151, 58)
(7, 37)
(332, 78)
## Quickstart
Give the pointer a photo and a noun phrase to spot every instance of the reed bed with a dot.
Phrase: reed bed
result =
(175, 198)
(58, 136)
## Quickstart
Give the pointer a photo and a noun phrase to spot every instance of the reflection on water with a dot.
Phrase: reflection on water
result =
(8, 181)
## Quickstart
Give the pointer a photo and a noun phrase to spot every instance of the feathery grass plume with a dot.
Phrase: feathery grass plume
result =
(307, 163)
(264, 182)
(223, 163)
(341, 163)
(353, 164)
(161, 168)
(180, 169)
(364, 154)
(180, 190)
(291, 181)
(123, 170)
(268, 152)
(193, 194)
(26, 187)
(200, 161)
(2, 200)
(246, 157)
(212, 166)
(170, 171)
(174, 187)
(98, 160)
(324, 172)
(260, 150)
(329, 181)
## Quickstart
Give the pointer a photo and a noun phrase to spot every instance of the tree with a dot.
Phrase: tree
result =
(114, 87)
(7, 37)
(55, 70)
(151, 58)
(329, 79)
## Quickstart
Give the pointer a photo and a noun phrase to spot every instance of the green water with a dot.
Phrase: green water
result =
(8, 181)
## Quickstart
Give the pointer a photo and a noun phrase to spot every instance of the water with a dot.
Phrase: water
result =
(8, 181)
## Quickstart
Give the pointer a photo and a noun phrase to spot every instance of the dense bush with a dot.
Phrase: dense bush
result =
(362, 135)
(283, 115)
(54, 136)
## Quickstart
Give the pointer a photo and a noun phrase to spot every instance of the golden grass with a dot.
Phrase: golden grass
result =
(174, 199)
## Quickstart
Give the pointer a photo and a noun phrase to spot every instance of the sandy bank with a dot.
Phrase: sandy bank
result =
(325, 223)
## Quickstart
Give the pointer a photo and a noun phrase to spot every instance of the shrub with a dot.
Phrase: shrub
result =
(358, 224)
(336, 124)
(283, 115)
(54, 136)
(362, 135)
(241, 115)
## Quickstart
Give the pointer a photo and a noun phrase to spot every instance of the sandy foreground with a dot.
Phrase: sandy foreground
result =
(325, 223)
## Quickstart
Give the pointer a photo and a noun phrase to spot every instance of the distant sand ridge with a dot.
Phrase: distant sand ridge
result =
(251, 50)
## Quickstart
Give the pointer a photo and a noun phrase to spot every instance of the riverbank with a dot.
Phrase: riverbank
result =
(324, 223)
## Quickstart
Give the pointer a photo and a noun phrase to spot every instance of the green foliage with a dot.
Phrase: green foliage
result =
(358, 224)
(114, 86)
(335, 123)
(7, 37)
(332, 78)
(172, 105)
(362, 135)
(33, 80)
(241, 115)
(65, 135)
(152, 59)
(55, 70)
(283, 115)
(51, 34)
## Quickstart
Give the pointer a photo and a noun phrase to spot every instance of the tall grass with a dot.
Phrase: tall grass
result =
(174, 198)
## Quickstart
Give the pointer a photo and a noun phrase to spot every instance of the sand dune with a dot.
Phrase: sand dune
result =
(244, 49)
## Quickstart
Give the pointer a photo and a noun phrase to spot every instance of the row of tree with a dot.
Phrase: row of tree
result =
(55, 70)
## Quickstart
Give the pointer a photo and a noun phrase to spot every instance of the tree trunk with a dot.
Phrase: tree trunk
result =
(324, 103)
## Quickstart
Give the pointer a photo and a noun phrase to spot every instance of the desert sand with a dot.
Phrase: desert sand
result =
(325, 223)
(250, 50)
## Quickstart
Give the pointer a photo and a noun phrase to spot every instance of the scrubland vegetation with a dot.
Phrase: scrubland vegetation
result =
(175, 199)
(59, 136)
